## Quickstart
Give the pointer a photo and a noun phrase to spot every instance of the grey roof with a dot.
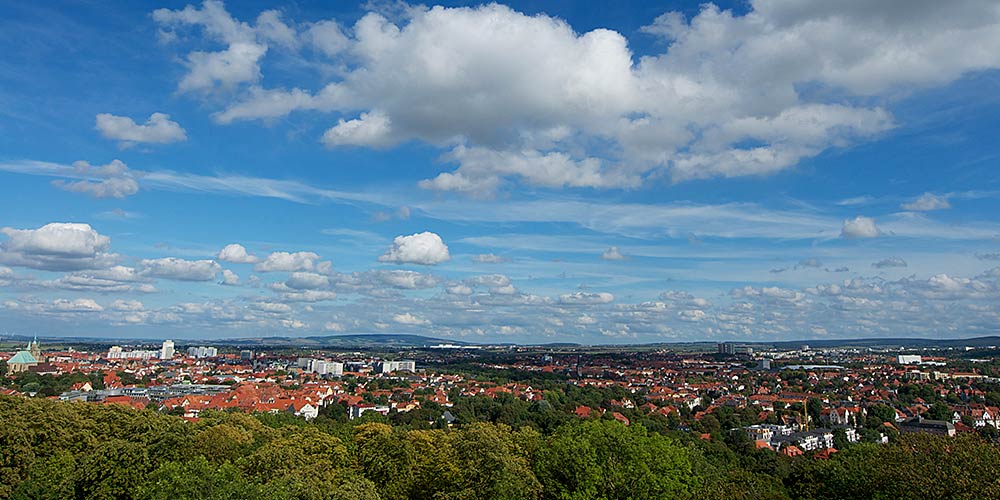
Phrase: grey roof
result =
(924, 423)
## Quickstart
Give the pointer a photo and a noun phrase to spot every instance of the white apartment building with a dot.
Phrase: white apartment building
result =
(202, 352)
(167, 350)
(760, 433)
(394, 366)
(116, 352)
(321, 366)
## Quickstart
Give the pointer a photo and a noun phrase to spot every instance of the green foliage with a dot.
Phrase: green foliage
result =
(49, 478)
(491, 465)
(346, 486)
(939, 411)
(603, 459)
(434, 468)
(813, 407)
(742, 485)
(114, 470)
(279, 420)
(989, 433)
(918, 466)
(53, 450)
(222, 443)
(306, 451)
(840, 441)
(198, 478)
(878, 414)
(16, 456)
(384, 458)
(49, 385)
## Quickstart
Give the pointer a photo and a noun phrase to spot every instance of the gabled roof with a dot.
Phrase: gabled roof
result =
(23, 357)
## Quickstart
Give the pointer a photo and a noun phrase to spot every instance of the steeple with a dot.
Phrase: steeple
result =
(34, 349)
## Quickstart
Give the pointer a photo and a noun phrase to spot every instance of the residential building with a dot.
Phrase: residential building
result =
(806, 441)
(355, 411)
(733, 348)
(116, 352)
(393, 366)
(167, 350)
(760, 433)
(920, 424)
(202, 352)
(304, 410)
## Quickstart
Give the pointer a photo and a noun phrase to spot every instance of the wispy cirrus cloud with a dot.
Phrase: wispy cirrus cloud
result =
(639, 220)
(222, 184)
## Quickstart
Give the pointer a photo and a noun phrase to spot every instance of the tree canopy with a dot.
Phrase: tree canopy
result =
(77, 450)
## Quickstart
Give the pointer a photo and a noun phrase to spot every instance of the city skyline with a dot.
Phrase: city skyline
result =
(525, 172)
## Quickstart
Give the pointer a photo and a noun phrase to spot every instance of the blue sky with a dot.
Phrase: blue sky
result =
(522, 172)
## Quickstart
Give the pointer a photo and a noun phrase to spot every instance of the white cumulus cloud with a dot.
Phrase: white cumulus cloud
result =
(56, 246)
(612, 254)
(158, 129)
(927, 202)
(586, 298)
(860, 227)
(410, 319)
(408, 280)
(458, 289)
(127, 305)
(180, 269)
(488, 280)
(307, 281)
(425, 248)
(229, 278)
(523, 98)
(76, 305)
(246, 45)
(6, 275)
(370, 129)
(236, 253)
(114, 180)
(288, 262)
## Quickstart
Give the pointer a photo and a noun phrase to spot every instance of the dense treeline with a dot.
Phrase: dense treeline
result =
(77, 450)
(50, 385)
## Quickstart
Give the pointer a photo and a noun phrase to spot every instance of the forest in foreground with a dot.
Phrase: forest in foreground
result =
(50, 449)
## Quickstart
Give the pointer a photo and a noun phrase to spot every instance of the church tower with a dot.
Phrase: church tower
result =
(35, 350)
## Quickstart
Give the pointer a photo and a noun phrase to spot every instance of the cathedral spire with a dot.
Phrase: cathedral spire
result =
(34, 349)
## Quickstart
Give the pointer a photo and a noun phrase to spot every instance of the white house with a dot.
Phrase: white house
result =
(304, 410)
(760, 433)
(356, 411)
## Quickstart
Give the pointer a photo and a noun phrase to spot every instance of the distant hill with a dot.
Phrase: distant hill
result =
(888, 342)
(907, 342)
(404, 340)
(347, 341)
(337, 341)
